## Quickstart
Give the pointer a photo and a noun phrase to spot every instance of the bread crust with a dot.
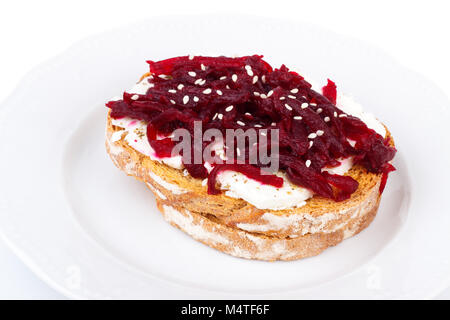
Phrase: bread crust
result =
(238, 228)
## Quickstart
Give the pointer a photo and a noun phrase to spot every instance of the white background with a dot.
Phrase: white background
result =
(414, 32)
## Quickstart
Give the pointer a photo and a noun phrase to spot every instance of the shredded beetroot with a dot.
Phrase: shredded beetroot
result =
(187, 89)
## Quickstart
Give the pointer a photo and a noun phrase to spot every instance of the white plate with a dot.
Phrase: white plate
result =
(92, 232)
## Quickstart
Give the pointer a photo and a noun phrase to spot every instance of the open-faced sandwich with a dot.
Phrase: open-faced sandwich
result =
(251, 160)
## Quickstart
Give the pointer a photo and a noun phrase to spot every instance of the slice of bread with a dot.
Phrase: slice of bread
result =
(236, 227)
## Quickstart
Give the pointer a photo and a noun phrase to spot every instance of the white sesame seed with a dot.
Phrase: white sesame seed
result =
(319, 110)
(263, 133)
(163, 76)
(219, 92)
(248, 114)
(335, 114)
(313, 104)
(295, 90)
(312, 135)
(263, 96)
(191, 57)
(215, 116)
(298, 118)
(202, 66)
(282, 98)
(134, 97)
(198, 81)
(319, 132)
(220, 116)
(249, 70)
(256, 94)
(207, 91)
(172, 102)
(273, 124)
(270, 93)
(308, 163)
(326, 119)
(196, 99)
(192, 73)
(234, 78)
(258, 126)
(292, 97)
(228, 87)
(228, 109)
(255, 79)
(288, 107)
(342, 115)
(173, 91)
(204, 182)
(240, 123)
(238, 151)
(304, 105)
(185, 99)
(311, 143)
(180, 86)
(223, 78)
(263, 78)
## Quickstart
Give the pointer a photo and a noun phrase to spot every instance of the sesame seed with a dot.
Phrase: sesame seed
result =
(312, 135)
(313, 104)
(191, 57)
(223, 78)
(282, 98)
(304, 105)
(298, 118)
(295, 90)
(240, 123)
(263, 96)
(292, 97)
(249, 70)
(228, 109)
(238, 151)
(256, 94)
(204, 182)
(215, 116)
(134, 97)
(192, 73)
(198, 81)
(258, 126)
(202, 66)
(185, 99)
(207, 91)
(255, 79)
(326, 119)
(163, 76)
(248, 114)
(234, 78)
(173, 91)
(273, 124)
(342, 115)
(319, 110)
(219, 92)
(308, 163)
(196, 99)
(270, 93)
(319, 132)
(220, 116)
(288, 107)
(180, 86)
(263, 78)
(335, 114)
(311, 143)
(172, 102)
(263, 133)
(228, 87)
